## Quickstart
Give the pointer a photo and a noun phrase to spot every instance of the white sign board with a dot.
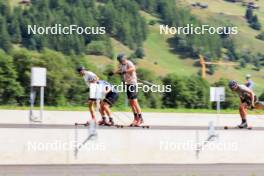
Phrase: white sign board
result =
(217, 94)
(38, 76)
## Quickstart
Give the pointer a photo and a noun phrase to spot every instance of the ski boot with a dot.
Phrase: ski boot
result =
(102, 122)
(243, 125)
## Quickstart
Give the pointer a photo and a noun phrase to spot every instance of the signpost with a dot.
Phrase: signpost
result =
(38, 79)
(217, 94)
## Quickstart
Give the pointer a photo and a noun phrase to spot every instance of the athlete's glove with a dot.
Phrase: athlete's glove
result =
(111, 73)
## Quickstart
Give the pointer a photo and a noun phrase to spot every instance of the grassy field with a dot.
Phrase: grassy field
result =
(127, 109)
(159, 57)
(220, 10)
(161, 60)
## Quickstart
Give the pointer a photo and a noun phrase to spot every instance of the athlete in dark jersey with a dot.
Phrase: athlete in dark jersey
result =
(111, 96)
(248, 100)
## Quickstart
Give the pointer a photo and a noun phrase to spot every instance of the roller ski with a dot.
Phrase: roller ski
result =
(82, 124)
(129, 126)
(138, 122)
(103, 122)
(243, 125)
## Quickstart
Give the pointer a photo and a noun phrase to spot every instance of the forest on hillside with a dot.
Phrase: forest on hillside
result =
(61, 54)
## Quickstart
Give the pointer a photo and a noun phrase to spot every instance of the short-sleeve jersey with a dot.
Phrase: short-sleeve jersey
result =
(89, 77)
(106, 85)
(131, 77)
(243, 91)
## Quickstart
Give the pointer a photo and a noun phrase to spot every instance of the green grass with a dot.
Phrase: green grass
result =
(127, 109)
(13, 2)
(162, 61)
(158, 57)
(158, 51)
(220, 11)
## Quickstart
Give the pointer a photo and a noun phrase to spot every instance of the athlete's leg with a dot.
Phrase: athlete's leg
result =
(103, 114)
(243, 114)
(102, 109)
(138, 120)
(109, 113)
(91, 104)
(136, 106)
(132, 105)
(243, 111)
(107, 109)
(132, 96)
(92, 99)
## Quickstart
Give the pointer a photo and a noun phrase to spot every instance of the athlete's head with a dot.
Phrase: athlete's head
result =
(233, 85)
(121, 58)
(80, 70)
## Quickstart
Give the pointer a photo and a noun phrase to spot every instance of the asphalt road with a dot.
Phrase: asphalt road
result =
(156, 127)
(134, 170)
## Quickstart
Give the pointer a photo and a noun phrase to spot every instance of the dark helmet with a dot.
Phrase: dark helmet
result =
(120, 57)
(80, 68)
(232, 84)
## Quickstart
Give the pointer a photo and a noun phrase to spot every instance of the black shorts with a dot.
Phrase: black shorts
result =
(248, 101)
(131, 91)
(111, 98)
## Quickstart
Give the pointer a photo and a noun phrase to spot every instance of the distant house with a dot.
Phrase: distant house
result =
(203, 5)
(25, 2)
(234, 0)
(199, 4)
(194, 4)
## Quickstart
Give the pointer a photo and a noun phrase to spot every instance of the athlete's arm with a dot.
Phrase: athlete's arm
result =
(252, 96)
(95, 80)
(252, 99)
(107, 90)
(131, 68)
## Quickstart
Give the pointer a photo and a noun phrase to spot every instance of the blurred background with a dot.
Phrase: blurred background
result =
(132, 27)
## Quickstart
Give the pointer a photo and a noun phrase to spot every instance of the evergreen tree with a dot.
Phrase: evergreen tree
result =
(249, 14)
(10, 89)
(5, 43)
(255, 23)
(14, 31)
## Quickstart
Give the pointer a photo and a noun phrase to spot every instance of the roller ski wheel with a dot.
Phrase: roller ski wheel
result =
(237, 127)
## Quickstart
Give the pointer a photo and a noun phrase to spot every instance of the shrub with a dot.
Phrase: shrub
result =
(100, 48)
(152, 22)
(260, 36)
(139, 53)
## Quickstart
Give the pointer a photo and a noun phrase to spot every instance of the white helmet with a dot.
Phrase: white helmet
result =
(248, 76)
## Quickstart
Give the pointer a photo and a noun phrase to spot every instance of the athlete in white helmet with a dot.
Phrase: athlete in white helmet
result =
(90, 79)
(249, 83)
